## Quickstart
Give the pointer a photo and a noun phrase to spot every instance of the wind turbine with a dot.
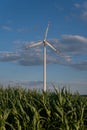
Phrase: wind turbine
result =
(45, 43)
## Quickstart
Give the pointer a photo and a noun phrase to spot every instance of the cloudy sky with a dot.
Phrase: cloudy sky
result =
(23, 22)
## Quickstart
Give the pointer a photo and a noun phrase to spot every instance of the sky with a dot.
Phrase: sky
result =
(23, 22)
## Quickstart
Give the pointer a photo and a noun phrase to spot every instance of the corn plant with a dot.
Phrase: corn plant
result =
(25, 109)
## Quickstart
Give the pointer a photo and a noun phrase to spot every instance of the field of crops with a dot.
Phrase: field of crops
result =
(24, 109)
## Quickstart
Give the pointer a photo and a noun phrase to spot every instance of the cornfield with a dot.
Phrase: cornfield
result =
(25, 109)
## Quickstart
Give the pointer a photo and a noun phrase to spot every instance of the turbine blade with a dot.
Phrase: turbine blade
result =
(66, 57)
(52, 47)
(46, 32)
(33, 44)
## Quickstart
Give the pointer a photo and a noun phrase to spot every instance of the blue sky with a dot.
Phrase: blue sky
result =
(24, 22)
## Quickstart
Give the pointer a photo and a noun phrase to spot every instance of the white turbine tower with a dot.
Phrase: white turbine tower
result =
(44, 42)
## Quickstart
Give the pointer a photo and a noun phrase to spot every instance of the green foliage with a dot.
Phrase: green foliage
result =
(22, 109)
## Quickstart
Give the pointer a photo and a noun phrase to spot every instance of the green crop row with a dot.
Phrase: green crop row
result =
(24, 109)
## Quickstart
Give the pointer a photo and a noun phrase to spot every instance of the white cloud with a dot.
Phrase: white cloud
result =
(7, 28)
(27, 84)
(71, 46)
(81, 65)
(22, 30)
(84, 15)
(84, 5)
(74, 44)
(8, 56)
(75, 38)
(83, 10)
(75, 86)
(77, 5)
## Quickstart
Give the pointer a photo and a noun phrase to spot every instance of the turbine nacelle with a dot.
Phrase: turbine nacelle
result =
(44, 42)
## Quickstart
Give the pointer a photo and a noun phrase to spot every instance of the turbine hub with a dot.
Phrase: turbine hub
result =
(44, 41)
